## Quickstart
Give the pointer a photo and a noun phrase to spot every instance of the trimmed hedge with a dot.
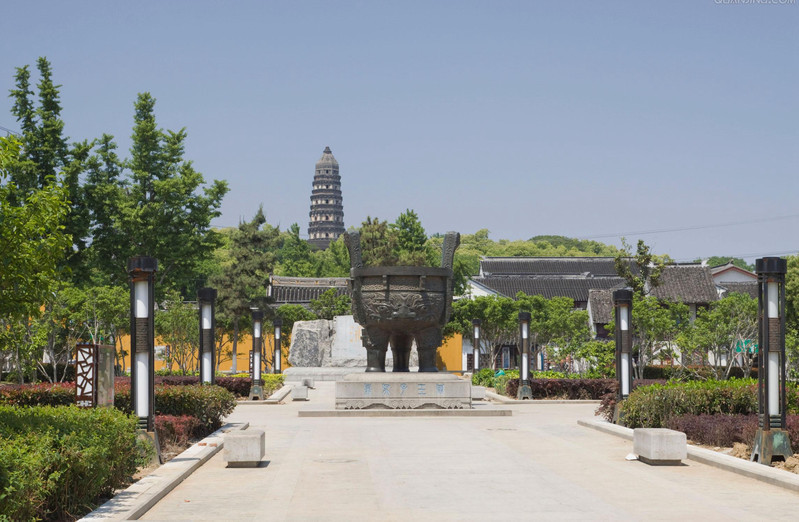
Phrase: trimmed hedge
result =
(209, 404)
(725, 430)
(57, 462)
(62, 394)
(653, 406)
(571, 389)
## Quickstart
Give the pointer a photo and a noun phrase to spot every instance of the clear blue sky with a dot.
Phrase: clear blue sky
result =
(577, 118)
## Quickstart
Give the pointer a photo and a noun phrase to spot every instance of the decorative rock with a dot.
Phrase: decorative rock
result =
(299, 393)
(331, 344)
(310, 342)
(244, 448)
(478, 393)
(660, 446)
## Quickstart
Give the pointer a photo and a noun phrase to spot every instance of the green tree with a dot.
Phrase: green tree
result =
(253, 248)
(33, 243)
(500, 322)
(378, 243)
(104, 192)
(656, 327)
(176, 325)
(641, 270)
(45, 152)
(295, 258)
(334, 261)
(329, 305)
(728, 324)
(167, 211)
(411, 241)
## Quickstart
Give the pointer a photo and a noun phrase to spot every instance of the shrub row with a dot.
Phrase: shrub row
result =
(571, 389)
(653, 406)
(725, 430)
(55, 463)
(692, 373)
(178, 429)
(209, 404)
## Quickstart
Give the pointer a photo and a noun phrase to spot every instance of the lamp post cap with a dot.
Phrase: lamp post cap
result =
(206, 294)
(524, 316)
(476, 322)
(257, 315)
(277, 321)
(142, 264)
(771, 265)
(623, 296)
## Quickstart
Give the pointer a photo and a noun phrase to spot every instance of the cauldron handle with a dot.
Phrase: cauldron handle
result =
(451, 242)
(353, 242)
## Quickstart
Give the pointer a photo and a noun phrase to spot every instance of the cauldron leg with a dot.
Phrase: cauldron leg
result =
(376, 342)
(401, 348)
(427, 342)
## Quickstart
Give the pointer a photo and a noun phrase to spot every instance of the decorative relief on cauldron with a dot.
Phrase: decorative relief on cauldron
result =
(405, 305)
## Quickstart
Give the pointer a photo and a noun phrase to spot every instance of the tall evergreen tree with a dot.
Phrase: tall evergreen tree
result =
(253, 253)
(162, 214)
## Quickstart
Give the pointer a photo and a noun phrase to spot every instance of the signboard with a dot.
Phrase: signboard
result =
(746, 345)
(94, 382)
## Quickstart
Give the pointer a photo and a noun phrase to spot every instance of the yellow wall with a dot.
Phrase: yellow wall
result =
(450, 354)
(242, 351)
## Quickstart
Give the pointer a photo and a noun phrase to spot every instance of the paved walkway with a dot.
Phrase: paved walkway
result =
(536, 465)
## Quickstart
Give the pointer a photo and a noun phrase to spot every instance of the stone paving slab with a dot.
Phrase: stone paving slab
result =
(537, 464)
(137, 499)
(754, 470)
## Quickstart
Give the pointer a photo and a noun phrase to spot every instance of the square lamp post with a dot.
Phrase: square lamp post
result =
(278, 323)
(623, 303)
(476, 344)
(524, 392)
(772, 438)
(256, 389)
(206, 298)
(141, 270)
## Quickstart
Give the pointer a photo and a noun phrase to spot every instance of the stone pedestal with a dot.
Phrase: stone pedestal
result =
(244, 448)
(660, 446)
(402, 391)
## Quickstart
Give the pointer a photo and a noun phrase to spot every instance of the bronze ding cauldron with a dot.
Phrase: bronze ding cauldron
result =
(400, 304)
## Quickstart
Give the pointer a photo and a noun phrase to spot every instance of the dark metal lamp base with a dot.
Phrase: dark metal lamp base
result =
(769, 444)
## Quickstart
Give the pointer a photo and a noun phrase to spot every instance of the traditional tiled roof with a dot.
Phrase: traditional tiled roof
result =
(303, 290)
(741, 288)
(600, 303)
(596, 266)
(576, 287)
(689, 284)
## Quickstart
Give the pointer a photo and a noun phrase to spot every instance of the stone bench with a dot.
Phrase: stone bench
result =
(478, 393)
(660, 446)
(244, 448)
(299, 393)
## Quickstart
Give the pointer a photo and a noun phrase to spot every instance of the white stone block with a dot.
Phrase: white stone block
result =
(660, 445)
(299, 393)
(307, 381)
(478, 393)
(244, 448)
